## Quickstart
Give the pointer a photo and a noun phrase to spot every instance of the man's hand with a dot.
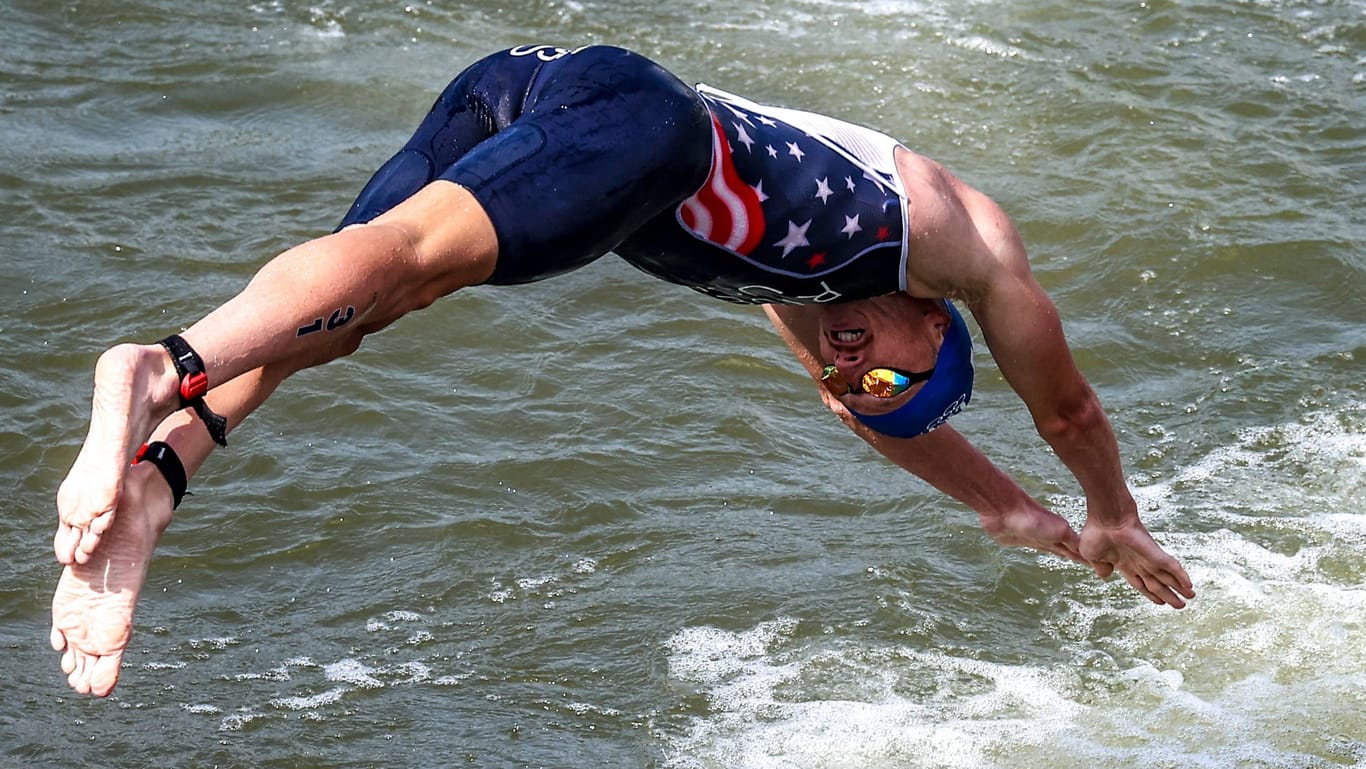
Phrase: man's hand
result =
(1037, 528)
(1131, 550)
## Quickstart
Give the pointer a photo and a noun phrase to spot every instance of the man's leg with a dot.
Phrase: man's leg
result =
(309, 305)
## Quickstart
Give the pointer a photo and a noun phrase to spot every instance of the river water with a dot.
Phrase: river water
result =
(601, 520)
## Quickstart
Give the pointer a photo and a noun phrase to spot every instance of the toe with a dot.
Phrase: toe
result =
(89, 540)
(100, 523)
(73, 663)
(64, 543)
(104, 673)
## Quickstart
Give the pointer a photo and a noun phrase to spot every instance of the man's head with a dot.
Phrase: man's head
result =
(915, 353)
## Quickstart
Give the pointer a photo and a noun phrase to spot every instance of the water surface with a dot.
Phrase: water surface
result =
(601, 521)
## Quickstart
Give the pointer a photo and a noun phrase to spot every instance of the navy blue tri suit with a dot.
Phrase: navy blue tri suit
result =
(575, 153)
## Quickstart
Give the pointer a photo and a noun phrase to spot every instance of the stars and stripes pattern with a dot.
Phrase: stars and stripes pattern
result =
(786, 200)
(726, 211)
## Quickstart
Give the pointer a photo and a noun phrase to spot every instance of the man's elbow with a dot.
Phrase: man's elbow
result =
(1071, 418)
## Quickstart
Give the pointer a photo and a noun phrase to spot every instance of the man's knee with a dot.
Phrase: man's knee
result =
(450, 240)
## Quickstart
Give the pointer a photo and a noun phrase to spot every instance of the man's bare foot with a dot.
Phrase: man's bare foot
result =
(92, 610)
(135, 388)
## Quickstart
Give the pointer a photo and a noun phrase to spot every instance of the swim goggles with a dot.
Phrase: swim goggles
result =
(945, 393)
(879, 382)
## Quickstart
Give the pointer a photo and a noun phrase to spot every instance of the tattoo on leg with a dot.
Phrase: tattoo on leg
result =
(338, 319)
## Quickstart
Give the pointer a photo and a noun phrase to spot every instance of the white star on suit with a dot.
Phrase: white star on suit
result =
(796, 237)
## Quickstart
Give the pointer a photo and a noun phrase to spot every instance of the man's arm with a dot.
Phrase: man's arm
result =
(964, 246)
(943, 458)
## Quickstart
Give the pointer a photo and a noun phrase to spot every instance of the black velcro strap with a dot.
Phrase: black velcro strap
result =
(193, 384)
(172, 469)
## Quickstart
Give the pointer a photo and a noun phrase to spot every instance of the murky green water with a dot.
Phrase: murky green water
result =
(592, 533)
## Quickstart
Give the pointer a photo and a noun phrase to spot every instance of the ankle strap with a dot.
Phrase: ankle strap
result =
(168, 462)
(193, 384)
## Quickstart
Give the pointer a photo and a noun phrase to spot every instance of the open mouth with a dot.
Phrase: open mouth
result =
(847, 336)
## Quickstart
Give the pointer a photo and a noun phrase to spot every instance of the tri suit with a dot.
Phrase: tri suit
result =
(577, 152)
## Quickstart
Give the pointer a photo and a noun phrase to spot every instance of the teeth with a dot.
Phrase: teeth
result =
(848, 337)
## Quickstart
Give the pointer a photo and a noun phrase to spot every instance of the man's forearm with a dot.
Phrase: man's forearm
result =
(946, 460)
(1083, 439)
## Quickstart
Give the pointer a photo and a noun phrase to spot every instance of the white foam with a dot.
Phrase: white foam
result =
(545, 586)
(237, 721)
(771, 705)
(415, 672)
(500, 594)
(280, 673)
(215, 644)
(905, 707)
(352, 672)
(532, 584)
(585, 709)
(163, 665)
(328, 29)
(310, 702)
(1296, 469)
(1267, 667)
(453, 680)
(376, 625)
(990, 47)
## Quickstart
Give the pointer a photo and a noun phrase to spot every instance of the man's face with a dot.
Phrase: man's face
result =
(892, 331)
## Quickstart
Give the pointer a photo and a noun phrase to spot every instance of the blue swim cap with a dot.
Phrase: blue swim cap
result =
(942, 396)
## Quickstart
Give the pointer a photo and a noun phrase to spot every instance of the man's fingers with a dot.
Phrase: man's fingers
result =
(1062, 548)
(1162, 593)
(1172, 585)
(1178, 582)
(1181, 582)
(1155, 590)
(1071, 546)
(1137, 583)
(1069, 550)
